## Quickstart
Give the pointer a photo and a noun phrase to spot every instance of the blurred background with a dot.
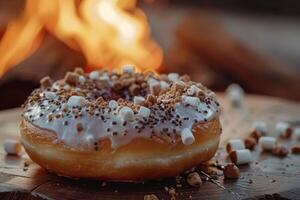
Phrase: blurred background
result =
(253, 43)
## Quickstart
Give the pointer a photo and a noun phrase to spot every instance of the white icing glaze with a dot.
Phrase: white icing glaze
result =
(109, 122)
(80, 118)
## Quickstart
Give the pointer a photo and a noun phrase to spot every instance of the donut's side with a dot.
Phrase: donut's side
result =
(141, 159)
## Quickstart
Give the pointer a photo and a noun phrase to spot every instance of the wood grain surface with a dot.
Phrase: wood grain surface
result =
(267, 177)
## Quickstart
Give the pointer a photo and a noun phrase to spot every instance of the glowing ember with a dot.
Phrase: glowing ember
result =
(110, 33)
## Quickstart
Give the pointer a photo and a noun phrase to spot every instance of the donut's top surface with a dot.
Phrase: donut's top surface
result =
(85, 108)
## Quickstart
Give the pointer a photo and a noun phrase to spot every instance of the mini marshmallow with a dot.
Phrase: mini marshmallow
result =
(50, 95)
(173, 77)
(267, 143)
(193, 90)
(104, 77)
(67, 87)
(94, 75)
(164, 84)
(260, 127)
(235, 144)
(235, 94)
(128, 69)
(113, 104)
(12, 147)
(152, 81)
(193, 101)
(138, 100)
(209, 115)
(76, 101)
(187, 136)
(126, 113)
(144, 112)
(240, 157)
(281, 127)
(81, 80)
(296, 133)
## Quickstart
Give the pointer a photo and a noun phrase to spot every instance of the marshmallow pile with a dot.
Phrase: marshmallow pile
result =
(239, 150)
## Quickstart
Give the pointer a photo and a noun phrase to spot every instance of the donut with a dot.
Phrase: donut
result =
(127, 126)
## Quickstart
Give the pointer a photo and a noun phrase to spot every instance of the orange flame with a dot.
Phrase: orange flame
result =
(109, 33)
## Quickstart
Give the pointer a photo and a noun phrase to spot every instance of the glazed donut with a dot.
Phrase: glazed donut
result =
(125, 126)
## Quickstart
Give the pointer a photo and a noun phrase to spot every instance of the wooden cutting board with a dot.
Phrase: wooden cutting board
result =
(268, 177)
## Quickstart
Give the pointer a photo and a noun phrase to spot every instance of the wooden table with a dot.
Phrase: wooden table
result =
(268, 177)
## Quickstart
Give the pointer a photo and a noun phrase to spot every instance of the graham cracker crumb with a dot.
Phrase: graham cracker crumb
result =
(79, 70)
(151, 99)
(250, 143)
(117, 85)
(46, 82)
(134, 89)
(155, 89)
(256, 135)
(287, 134)
(179, 86)
(71, 78)
(172, 192)
(280, 151)
(79, 127)
(296, 149)
(231, 171)
(185, 78)
(194, 180)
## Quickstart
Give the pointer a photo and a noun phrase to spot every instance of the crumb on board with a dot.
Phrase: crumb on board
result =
(194, 180)
(231, 171)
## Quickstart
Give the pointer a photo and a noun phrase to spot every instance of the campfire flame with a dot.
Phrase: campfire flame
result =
(109, 33)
